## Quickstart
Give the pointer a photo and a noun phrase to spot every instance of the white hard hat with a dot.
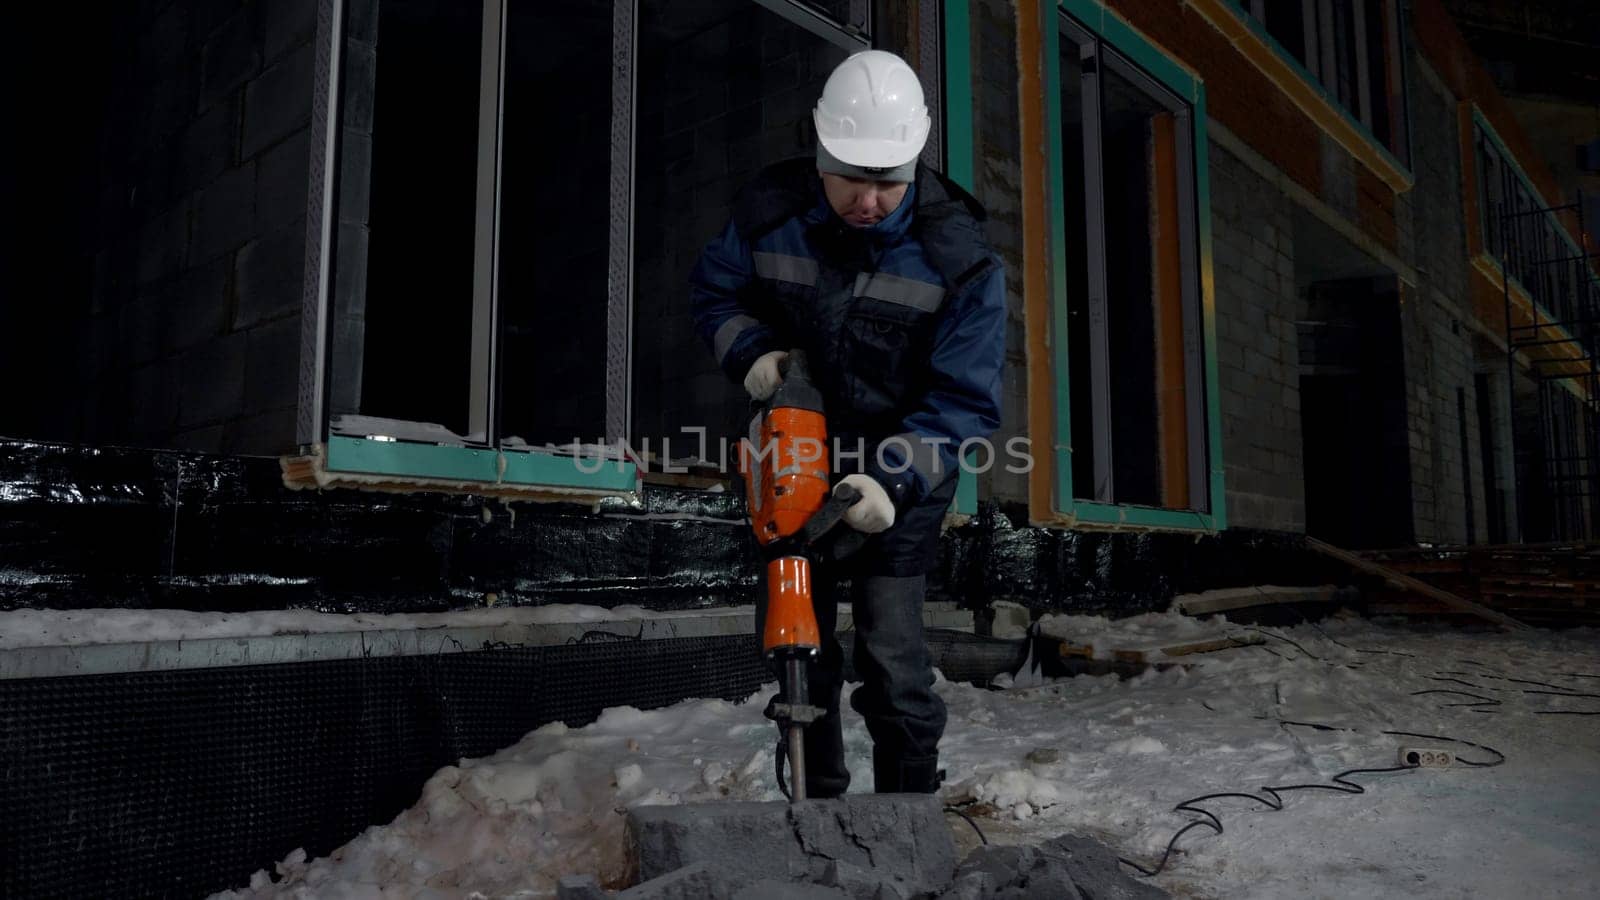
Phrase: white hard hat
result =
(871, 112)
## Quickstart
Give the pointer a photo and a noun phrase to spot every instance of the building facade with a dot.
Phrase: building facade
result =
(1283, 265)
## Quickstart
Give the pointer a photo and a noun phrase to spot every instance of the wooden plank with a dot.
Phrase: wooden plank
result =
(1208, 602)
(1149, 655)
(1406, 582)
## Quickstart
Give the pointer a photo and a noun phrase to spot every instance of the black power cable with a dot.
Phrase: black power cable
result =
(1273, 800)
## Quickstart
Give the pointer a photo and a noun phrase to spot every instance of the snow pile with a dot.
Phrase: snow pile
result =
(72, 627)
(548, 806)
(1096, 756)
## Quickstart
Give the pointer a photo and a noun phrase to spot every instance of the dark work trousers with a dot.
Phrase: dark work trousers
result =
(903, 714)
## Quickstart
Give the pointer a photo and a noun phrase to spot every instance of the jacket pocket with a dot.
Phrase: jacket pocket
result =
(886, 348)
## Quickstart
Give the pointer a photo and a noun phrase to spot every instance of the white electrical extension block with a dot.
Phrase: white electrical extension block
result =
(1427, 757)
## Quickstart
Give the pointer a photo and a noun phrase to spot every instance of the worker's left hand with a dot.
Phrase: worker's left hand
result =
(874, 512)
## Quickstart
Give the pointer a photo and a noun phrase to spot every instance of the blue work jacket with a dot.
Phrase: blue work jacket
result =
(903, 321)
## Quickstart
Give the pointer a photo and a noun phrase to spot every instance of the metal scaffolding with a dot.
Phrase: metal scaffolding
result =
(1560, 348)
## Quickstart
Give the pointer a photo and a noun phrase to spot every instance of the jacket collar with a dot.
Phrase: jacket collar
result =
(893, 227)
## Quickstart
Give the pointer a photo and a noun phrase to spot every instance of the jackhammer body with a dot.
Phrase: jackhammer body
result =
(786, 464)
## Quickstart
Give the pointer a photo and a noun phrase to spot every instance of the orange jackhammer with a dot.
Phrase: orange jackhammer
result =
(785, 465)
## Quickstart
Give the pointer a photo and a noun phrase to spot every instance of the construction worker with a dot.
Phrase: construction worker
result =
(876, 266)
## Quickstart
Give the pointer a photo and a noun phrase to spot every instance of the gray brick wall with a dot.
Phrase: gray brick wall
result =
(202, 210)
(1437, 328)
(1257, 347)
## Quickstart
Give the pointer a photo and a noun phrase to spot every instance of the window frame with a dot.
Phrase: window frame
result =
(1492, 246)
(1204, 447)
(468, 463)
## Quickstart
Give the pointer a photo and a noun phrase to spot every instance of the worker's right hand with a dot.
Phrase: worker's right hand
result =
(874, 512)
(763, 377)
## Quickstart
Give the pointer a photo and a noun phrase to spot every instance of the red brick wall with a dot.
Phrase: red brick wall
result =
(1447, 51)
(1247, 103)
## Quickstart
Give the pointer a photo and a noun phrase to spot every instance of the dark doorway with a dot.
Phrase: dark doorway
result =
(1353, 415)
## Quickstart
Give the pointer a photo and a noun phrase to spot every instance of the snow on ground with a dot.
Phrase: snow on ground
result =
(1109, 758)
(72, 627)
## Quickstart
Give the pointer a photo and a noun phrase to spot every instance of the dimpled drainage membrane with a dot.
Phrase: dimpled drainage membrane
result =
(180, 783)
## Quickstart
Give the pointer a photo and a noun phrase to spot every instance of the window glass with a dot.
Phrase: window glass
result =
(1143, 279)
(1134, 376)
(724, 88)
(1075, 232)
(415, 311)
(555, 215)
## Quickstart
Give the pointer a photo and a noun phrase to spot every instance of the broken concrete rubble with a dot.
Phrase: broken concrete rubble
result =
(898, 840)
(1066, 868)
(863, 847)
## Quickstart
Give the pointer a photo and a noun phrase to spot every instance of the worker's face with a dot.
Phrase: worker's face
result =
(860, 201)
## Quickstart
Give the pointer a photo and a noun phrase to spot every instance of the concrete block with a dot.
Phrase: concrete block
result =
(360, 86)
(349, 348)
(992, 871)
(139, 326)
(163, 244)
(771, 889)
(270, 276)
(272, 365)
(153, 399)
(282, 182)
(350, 271)
(900, 839)
(199, 440)
(903, 836)
(700, 880)
(229, 57)
(207, 147)
(278, 102)
(580, 887)
(199, 309)
(271, 433)
(362, 22)
(212, 386)
(227, 214)
(162, 45)
(285, 24)
(355, 176)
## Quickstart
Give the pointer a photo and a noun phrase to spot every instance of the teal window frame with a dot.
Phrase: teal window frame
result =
(485, 466)
(1117, 34)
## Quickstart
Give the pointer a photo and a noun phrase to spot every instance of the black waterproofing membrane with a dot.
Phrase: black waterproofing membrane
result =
(96, 527)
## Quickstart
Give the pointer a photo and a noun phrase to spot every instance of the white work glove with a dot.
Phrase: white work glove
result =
(874, 512)
(763, 377)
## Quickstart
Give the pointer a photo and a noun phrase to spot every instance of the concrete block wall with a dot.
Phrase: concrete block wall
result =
(1258, 362)
(1438, 327)
(191, 338)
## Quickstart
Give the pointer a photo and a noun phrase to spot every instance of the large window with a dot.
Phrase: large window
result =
(1131, 334)
(1352, 49)
(522, 189)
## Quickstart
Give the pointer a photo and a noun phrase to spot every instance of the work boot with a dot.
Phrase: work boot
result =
(893, 773)
(826, 774)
